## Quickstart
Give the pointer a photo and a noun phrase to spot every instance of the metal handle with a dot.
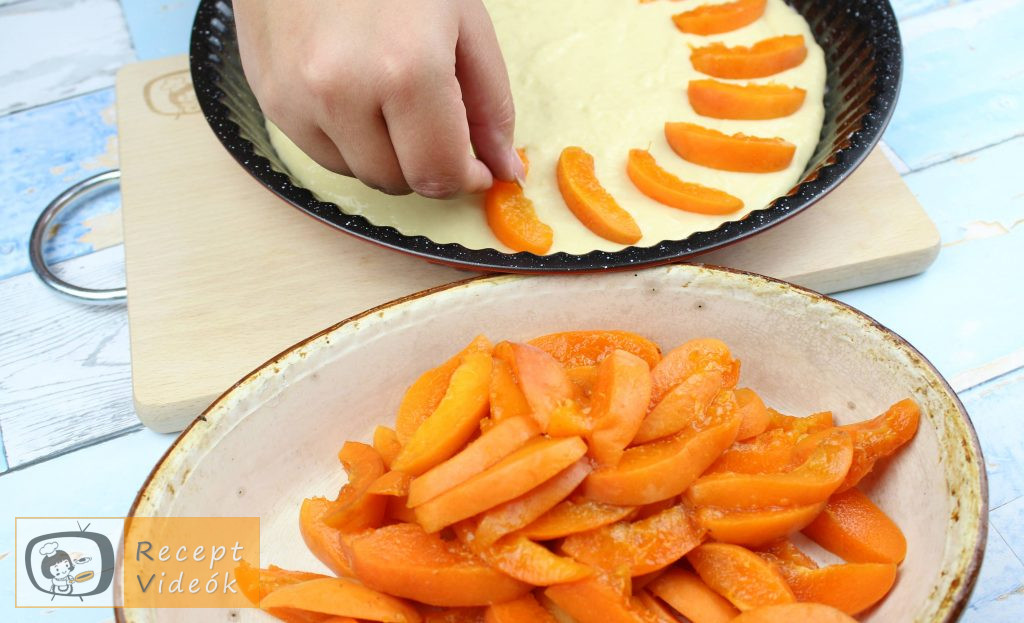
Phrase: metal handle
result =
(35, 245)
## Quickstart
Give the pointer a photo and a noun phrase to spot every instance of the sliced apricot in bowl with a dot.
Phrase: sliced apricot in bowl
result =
(590, 202)
(856, 530)
(723, 100)
(740, 575)
(764, 58)
(713, 19)
(738, 152)
(667, 189)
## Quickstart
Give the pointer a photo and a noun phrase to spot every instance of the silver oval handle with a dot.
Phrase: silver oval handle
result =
(91, 296)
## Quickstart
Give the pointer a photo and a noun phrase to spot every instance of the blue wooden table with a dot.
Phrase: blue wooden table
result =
(69, 443)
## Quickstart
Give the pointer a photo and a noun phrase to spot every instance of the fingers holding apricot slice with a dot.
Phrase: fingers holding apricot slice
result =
(722, 100)
(590, 202)
(713, 19)
(764, 58)
(667, 189)
(738, 152)
(513, 219)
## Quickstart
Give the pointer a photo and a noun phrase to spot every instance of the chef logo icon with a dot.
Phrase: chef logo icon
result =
(75, 563)
(171, 94)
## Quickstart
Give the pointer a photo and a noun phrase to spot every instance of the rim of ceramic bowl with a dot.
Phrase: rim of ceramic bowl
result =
(235, 119)
(953, 602)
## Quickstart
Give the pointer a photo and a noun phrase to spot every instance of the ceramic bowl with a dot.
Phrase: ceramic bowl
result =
(863, 52)
(272, 439)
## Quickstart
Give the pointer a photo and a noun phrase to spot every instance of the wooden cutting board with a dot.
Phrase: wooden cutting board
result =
(222, 275)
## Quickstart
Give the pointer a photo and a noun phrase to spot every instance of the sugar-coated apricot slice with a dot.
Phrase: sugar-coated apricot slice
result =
(812, 482)
(543, 380)
(405, 561)
(455, 419)
(685, 404)
(423, 396)
(256, 583)
(667, 189)
(851, 587)
(771, 451)
(856, 530)
(523, 510)
(513, 219)
(801, 425)
(787, 613)
(755, 415)
(618, 404)
(511, 477)
(593, 600)
(590, 202)
(322, 540)
(713, 19)
(356, 508)
(880, 437)
(342, 597)
(736, 152)
(523, 559)
(502, 439)
(526, 609)
(764, 58)
(572, 516)
(661, 469)
(757, 527)
(723, 100)
(643, 546)
(691, 597)
(392, 483)
(506, 398)
(740, 575)
(588, 348)
(787, 552)
(698, 355)
(386, 443)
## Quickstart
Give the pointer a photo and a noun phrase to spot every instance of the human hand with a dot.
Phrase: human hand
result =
(398, 93)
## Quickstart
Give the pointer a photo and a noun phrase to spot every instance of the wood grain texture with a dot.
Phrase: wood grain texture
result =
(223, 275)
(64, 369)
(53, 49)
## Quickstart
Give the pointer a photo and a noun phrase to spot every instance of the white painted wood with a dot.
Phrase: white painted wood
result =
(53, 49)
(64, 369)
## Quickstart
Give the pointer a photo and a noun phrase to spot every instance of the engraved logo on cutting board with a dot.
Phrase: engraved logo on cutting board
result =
(171, 94)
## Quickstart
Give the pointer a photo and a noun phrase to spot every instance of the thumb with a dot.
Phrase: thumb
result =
(481, 72)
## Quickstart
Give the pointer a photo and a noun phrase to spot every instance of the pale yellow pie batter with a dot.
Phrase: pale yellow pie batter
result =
(604, 75)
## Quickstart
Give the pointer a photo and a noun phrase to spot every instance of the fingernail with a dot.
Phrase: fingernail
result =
(518, 169)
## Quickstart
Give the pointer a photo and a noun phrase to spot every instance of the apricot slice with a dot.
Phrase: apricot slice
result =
(590, 202)
(543, 381)
(507, 400)
(699, 355)
(755, 528)
(661, 612)
(713, 19)
(856, 530)
(740, 575)
(452, 615)
(723, 100)
(593, 600)
(520, 512)
(667, 189)
(524, 560)
(661, 469)
(788, 553)
(764, 58)
(502, 439)
(584, 378)
(801, 425)
(405, 561)
(618, 404)
(355, 507)
(322, 540)
(691, 597)
(526, 609)
(588, 348)
(511, 477)
(810, 483)
(392, 483)
(341, 597)
(771, 451)
(386, 443)
(398, 511)
(851, 587)
(256, 583)
(642, 546)
(754, 413)
(880, 437)
(737, 152)
(454, 421)
(423, 396)
(787, 613)
(683, 406)
(513, 219)
(570, 517)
